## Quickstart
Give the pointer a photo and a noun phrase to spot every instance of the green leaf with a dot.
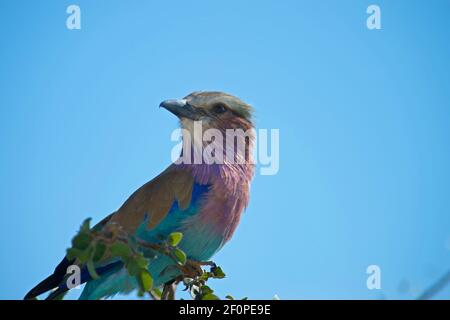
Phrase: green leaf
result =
(133, 268)
(91, 269)
(210, 296)
(174, 238)
(218, 273)
(141, 261)
(85, 226)
(205, 276)
(100, 249)
(206, 290)
(81, 241)
(180, 255)
(73, 253)
(157, 292)
(85, 255)
(120, 249)
(229, 297)
(145, 280)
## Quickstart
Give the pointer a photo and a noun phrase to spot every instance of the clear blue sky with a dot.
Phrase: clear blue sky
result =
(364, 119)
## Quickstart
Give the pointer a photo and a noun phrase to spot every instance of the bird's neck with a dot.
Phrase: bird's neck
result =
(229, 183)
(231, 175)
(219, 158)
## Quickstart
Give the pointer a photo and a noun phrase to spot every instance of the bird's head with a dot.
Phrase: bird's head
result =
(212, 110)
(217, 110)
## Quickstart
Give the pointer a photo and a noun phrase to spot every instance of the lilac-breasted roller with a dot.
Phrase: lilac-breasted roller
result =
(202, 199)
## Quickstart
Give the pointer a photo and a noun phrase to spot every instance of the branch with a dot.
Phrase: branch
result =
(436, 287)
(91, 246)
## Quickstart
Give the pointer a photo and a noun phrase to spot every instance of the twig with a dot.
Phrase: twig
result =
(436, 287)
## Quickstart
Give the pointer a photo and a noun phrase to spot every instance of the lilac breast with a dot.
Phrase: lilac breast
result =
(220, 210)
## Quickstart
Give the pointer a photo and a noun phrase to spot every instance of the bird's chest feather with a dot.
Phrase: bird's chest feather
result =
(207, 223)
(215, 222)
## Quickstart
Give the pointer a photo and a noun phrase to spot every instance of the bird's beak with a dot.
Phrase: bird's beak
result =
(180, 108)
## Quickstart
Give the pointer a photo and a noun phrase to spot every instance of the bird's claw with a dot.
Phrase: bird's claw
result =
(193, 268)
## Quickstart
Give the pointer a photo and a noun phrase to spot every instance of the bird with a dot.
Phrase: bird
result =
(203, 200)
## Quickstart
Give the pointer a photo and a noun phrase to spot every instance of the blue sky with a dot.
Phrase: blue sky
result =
(364, 120)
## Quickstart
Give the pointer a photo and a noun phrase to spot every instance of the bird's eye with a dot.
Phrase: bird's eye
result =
(219, 108)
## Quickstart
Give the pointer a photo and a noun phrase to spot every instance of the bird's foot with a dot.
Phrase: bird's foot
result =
(193, 268)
